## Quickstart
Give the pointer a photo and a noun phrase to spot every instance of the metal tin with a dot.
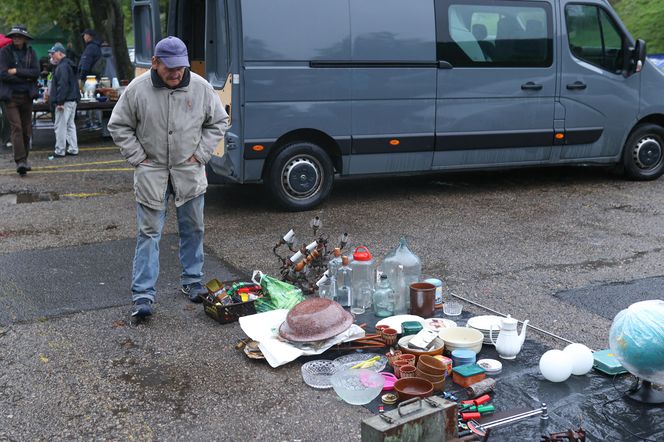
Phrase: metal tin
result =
(439, 289)
(425, 420)
(389, 398)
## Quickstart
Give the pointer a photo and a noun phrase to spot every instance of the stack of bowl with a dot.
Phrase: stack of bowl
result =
(433, 370)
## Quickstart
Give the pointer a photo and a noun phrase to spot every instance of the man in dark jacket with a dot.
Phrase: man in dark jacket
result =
(65, 96)
(19, 70)
(91, 54)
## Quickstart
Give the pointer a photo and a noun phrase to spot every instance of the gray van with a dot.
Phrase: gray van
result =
(325, 88)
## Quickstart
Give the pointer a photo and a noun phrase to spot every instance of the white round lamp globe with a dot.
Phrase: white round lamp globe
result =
(556, 365)
(582, 358)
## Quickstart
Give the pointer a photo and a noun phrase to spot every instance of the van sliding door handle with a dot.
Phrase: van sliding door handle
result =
(577, 86)
(530, 86)
(442, 64)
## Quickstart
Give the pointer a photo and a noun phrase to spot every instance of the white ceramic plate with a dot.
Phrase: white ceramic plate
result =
(437, 324)
(483, 323)
(347, 361)
(395, 321)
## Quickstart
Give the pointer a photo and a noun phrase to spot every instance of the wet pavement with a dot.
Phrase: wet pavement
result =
(562, 247)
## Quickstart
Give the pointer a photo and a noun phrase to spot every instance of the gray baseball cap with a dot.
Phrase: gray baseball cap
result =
(58, 47)
(172, 52)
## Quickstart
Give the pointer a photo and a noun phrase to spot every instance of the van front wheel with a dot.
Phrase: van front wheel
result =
(300, 176)
(643, 155)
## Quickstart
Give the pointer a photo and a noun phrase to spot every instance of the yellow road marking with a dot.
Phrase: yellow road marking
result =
(58, 166)
(112, 169)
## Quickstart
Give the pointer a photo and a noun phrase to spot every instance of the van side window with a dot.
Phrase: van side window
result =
(483, 34)
(144, 41)
(593, 37)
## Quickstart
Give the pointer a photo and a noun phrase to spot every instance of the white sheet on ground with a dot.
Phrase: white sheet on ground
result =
(264, 329)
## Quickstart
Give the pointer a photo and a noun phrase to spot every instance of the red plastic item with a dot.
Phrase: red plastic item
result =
(470, 416)
(362, 256)
(479, 400)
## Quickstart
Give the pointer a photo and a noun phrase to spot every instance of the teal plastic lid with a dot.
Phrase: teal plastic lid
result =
(468, 370)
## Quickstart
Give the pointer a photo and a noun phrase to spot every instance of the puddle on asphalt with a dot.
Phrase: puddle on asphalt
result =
(28, 197)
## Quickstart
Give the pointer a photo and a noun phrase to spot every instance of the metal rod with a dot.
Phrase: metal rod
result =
(516, 417)
(502, 314)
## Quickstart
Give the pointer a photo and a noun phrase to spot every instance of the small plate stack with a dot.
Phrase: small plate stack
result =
(483, 324)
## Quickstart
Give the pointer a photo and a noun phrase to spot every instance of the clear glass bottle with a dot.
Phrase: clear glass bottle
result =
(412, 266)
(383, 298)
(400, 292)
(327, 287)
(344, 294)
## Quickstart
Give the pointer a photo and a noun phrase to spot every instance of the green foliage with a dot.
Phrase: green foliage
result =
(644, 19)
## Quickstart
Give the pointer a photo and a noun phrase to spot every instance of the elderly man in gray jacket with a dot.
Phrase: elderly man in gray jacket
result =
(167, 123)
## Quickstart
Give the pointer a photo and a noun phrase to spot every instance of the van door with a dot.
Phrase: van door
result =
(393, 87)
(601, 104)
(147, 31)
(496, 83)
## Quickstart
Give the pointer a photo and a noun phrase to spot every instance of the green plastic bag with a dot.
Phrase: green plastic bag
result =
(276, 294)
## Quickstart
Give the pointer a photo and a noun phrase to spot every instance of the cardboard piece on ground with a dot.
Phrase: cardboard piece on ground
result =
(264, 329)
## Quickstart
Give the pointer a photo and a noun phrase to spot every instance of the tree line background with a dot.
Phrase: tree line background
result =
(112, 21)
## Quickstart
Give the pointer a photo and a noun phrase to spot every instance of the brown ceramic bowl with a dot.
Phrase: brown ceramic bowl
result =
(431, 365)
(315, 319)
(436, 349)
(408, 388)
(439, 386)
(429, 377)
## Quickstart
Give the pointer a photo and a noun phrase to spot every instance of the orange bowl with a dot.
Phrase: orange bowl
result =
(433, 378)
(408, 388)
(431, 365)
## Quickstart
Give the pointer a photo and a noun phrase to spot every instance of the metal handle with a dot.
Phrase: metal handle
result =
(530, 86)
(410, 401)
(442, 64)
(577, 86)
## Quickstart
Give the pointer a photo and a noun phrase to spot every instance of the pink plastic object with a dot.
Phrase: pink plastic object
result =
(390, 379)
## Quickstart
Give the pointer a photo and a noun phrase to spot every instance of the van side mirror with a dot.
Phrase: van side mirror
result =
(636, 56)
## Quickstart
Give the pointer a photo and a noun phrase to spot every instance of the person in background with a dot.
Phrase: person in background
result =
(167, 123)
(19, 70)
(91, 54)
(4, 123)
(65, 95)
(71, 54)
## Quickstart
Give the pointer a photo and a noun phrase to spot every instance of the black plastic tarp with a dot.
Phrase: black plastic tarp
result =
(594, 402)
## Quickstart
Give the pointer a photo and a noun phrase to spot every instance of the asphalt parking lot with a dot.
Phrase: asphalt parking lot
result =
(565, 248)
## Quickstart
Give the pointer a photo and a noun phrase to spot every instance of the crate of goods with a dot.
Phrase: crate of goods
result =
(226, 303)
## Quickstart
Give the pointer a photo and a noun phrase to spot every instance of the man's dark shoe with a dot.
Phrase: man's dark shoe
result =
(142, 308)
(22, 168)
(194, 291)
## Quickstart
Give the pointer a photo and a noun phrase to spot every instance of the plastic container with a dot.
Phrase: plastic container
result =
(357, 386)
(463, 357)
(466, 375)
(362, 285)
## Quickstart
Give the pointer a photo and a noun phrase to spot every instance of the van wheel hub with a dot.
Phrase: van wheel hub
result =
(301, 176)
(647, 153)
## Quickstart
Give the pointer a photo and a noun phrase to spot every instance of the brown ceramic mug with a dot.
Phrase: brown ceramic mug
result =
(422, 299)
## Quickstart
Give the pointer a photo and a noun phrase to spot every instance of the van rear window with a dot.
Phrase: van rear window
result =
(485, 34)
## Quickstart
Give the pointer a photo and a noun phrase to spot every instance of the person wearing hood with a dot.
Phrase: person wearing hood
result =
(65, 95)
(91, 54)
(19, 70)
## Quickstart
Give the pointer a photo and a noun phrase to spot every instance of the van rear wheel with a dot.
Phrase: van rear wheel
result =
(643, 155)
(300, 176)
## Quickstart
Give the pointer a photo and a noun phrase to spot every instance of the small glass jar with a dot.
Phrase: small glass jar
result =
(383, 298)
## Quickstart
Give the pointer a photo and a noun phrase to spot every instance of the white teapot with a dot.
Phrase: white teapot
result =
(509, 342)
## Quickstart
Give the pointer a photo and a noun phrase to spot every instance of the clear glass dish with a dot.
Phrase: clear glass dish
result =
(452, 308)
(318, 373)
(357, 386)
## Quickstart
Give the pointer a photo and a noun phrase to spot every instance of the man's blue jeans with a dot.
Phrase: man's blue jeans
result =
(146, 259)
